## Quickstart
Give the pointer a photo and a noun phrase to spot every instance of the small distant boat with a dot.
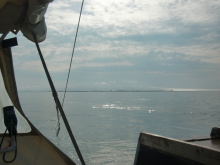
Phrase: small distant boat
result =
(154, 150)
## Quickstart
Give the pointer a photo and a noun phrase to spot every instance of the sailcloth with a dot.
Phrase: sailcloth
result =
(33, 147)
(23, 126)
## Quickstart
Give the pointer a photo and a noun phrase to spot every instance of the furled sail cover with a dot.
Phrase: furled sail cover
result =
(24, 15)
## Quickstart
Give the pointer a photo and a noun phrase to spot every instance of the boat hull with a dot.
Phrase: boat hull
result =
(155, 149)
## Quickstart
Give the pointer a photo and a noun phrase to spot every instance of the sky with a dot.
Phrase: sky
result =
(125, 45)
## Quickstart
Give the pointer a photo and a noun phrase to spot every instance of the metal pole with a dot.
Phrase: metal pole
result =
(58, 102)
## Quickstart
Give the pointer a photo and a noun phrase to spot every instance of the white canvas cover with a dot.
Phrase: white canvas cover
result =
(16, 15)
(35, 20)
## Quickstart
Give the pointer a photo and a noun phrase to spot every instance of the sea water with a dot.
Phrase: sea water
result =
(107, 125)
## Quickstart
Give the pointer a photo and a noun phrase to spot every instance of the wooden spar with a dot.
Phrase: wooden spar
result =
(3, 36)
(58, 102)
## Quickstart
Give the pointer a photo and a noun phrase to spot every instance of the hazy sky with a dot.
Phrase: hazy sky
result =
(126, 44)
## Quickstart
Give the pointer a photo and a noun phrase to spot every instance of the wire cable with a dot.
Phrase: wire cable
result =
(73, 52)
(74, 45)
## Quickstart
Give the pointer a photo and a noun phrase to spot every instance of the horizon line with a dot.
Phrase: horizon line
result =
(151, 90)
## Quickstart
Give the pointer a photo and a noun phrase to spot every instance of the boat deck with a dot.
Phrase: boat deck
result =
(154, 149)
(213, 143)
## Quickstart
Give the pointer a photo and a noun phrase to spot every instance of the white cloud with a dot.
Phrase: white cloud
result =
(114, 33)
(60, 66)
(101, 83)
(130, 17)
(31, 66)
(110, 19)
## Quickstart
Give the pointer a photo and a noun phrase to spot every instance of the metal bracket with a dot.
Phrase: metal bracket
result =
(9, 42)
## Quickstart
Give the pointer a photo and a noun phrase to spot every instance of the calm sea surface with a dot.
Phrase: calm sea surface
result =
(106, 125)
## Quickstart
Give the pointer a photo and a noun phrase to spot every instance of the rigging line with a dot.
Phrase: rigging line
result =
(58, 116)
(72, 52)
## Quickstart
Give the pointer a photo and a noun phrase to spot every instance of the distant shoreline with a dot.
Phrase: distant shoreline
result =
(130, 91)
(108, 91)
(122, 91)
